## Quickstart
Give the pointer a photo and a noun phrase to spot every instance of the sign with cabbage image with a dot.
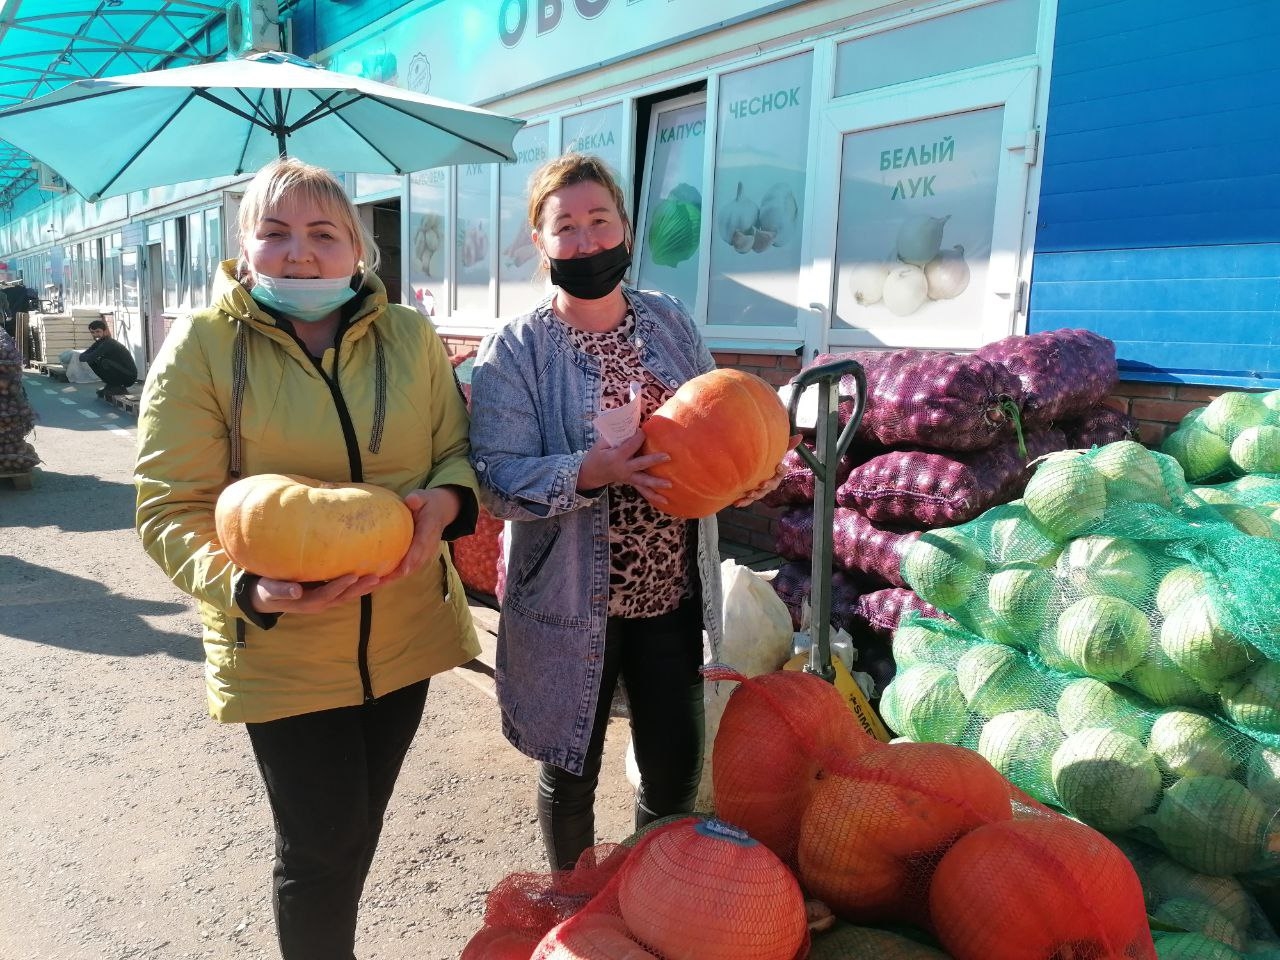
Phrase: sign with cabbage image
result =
(761, 158)
(914, 228)
(673, 209)
(428, 253)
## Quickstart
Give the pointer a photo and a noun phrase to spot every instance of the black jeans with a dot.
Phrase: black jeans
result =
(658, 659)
(329, 776)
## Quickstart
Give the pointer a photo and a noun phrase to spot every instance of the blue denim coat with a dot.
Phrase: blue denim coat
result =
(533, 402)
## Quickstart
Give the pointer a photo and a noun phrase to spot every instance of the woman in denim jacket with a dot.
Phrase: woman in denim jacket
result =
(601, 583)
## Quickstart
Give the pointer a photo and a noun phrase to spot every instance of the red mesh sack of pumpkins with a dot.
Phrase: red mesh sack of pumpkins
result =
(478, 555)
(769, 750)
(690, 890)
(523, 907)
(1041, 887)
(877, 826)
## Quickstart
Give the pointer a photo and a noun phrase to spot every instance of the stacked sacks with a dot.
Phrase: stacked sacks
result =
(1114, 653)
(16, 417)
(941, 440)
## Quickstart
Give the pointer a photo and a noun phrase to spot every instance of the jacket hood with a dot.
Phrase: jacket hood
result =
(231, 297)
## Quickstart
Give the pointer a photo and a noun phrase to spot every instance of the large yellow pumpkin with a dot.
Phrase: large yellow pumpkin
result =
(294, 528)
(725, 431)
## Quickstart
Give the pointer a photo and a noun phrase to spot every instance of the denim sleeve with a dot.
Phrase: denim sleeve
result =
(518, 481)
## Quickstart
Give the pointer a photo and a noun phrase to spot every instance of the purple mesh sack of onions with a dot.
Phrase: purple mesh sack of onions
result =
(794, 537)
(857, 544)
(1103, 424)
(928, 488)
(792, 585)
(931, 398)
(798, 483)
(1063, 372)
(879, 611)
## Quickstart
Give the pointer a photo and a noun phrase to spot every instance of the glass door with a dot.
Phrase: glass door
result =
(923, 236)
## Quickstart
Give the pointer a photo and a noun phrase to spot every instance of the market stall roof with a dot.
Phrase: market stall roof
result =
(45, 44)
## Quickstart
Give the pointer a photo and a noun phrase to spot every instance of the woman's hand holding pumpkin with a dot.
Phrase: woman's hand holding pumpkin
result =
(780, 471)
(432, 510)
(604, 465)
(281, 596)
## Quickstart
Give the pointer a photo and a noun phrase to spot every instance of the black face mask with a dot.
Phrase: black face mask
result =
(593, 277)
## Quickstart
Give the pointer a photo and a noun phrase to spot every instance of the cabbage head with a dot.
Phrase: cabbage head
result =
(1106, 778)
(674, 231)
(1212, 825)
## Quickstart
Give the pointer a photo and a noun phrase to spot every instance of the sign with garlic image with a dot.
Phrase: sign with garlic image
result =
(761, 166)
(914, 228)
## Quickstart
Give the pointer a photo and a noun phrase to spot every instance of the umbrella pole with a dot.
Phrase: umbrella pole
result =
(279, 125)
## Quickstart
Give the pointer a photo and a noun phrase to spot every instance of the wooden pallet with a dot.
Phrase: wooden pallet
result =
(20, 481)
(54, 371)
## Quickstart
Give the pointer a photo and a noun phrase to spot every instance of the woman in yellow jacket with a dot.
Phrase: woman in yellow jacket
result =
(301, 366)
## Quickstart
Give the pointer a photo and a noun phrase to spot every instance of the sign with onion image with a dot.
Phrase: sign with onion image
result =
(913, 234)
(762, 152)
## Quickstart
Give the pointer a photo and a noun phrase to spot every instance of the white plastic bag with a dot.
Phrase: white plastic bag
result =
(76, 371)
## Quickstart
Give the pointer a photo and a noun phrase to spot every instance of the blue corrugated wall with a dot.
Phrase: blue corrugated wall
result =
(1159, 218)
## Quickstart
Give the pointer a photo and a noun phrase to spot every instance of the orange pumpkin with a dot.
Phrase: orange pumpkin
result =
(591, 936)
(775, 734)
(875, 828)
(294, 528)
(725, 431)
(1037, 889)
(707, 891)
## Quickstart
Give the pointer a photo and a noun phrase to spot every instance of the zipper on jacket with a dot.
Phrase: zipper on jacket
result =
(356, 467)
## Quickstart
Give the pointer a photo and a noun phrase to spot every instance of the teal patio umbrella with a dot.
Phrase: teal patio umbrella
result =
(113, 135)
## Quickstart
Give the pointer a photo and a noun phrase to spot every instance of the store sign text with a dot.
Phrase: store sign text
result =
(513, 16)
(681, 131)
(532, 154)
(592, 142)
(940, 152)
(778, 100)
(943, 151)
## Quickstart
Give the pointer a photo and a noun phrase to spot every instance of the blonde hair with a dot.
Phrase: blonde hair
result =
(290, 177)
(565, 171)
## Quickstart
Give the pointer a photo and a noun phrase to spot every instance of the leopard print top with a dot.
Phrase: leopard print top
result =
(648, 575)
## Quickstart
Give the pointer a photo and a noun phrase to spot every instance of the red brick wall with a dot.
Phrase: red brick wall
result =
(1158, 407)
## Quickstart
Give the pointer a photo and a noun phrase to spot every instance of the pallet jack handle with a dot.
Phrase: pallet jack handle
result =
(830, 445)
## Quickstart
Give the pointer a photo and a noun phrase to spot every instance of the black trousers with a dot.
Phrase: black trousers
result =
(329, 777)
(113, 374)
(658, 659)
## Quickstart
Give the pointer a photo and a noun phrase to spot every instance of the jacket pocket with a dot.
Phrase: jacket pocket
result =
(538, 558)
(546, 588)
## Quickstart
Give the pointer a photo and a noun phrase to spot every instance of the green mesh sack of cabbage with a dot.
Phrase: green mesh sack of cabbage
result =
(1196, 916)
(1180, 778)
(1251, 503)
(1111, 567)
(1236, 433)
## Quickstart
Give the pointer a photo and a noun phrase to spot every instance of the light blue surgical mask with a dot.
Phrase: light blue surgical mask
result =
(306, 300)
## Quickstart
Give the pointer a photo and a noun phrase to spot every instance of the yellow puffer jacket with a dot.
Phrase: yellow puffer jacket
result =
(405, 427)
